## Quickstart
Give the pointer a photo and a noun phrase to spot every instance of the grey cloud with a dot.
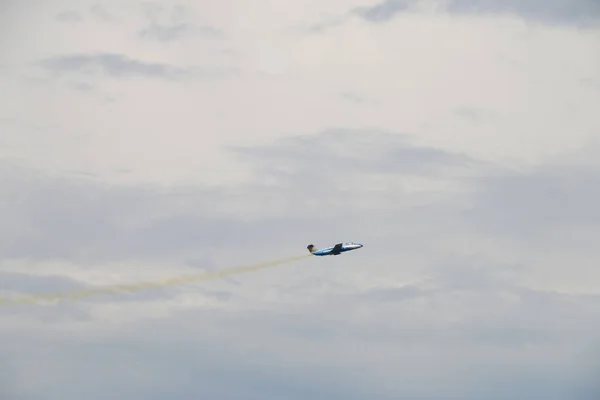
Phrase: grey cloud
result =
(353, 97)
(591, 84)
(69, 16)
(554, 11)
(179, 24)
(98, 11)
(353, 346)
(173, 368)
(110, 222)
(83, 87)
(578, 12)
(324, 25)
(152, 9)
(385, 10)
(166, 33)
(115, 65)
(103, 223)
(97, 222)
(83, 221)
(121, 66)
(35, 284)
(300, 178)
(331, 340)
(525, 205)
(474, 114)
(395, 295)
(502, 318)
(334, 152)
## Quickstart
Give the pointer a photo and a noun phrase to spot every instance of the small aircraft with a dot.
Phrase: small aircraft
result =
(335, 250)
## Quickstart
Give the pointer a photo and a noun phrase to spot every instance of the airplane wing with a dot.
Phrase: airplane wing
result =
(337, 248)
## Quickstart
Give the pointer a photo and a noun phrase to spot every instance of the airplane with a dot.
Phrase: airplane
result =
(335, 250)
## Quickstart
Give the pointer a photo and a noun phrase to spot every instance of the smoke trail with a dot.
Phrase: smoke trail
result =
(135, 287)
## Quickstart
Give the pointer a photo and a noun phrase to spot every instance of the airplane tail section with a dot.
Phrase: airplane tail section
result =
(311, 248)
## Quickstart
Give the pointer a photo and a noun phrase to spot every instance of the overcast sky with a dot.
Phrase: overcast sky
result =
(457, 140)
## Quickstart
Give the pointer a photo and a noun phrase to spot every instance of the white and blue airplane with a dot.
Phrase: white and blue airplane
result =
(335, 250)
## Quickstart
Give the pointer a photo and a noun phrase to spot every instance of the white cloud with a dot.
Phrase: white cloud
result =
(431, 68)
(460, 148)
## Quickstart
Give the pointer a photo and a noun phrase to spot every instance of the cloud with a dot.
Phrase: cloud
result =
(341, 155)
(36, 284)
(300, 323)
(100, 12)
(353, 97)
(474, 114)
(470, 178)
(569, 12)
(69, 16)
(96, 11)
(385, 10)
(110, 222)
(535, 202)
(114, 65)
(97, 221)
(168, 33)
(304, 348)
(179, 25)
(579, 12)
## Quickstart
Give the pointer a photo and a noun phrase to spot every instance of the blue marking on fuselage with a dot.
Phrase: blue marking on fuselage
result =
(329, 251)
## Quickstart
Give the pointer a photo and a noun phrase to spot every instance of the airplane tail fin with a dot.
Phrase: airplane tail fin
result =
(311, 248)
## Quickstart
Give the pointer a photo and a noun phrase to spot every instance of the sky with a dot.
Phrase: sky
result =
(457, 140)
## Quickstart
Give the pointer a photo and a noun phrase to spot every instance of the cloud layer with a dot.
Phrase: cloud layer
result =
(578, 12)
(141, 142)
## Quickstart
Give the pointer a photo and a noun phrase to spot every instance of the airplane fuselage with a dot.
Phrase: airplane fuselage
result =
(334, 250)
